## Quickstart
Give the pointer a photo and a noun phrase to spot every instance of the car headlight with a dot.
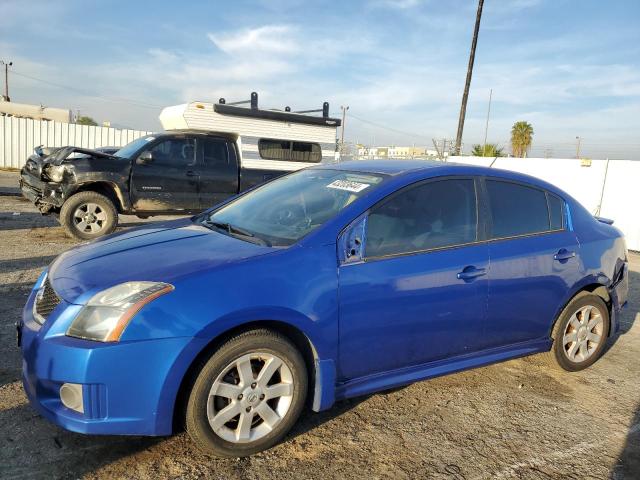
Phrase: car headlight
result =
(108, 313)
(55, 172)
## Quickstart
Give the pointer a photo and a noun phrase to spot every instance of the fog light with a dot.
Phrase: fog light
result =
(71, 396)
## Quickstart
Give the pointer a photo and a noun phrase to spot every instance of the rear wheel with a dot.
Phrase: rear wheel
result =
(580, 333)
(247, 395)
(88, 215)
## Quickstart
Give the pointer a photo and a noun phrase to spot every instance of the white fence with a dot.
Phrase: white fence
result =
(19, 136)
(608, 188)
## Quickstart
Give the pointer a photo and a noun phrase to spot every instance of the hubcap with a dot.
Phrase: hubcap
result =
(89, 218)
(250, 397)
(583, 333)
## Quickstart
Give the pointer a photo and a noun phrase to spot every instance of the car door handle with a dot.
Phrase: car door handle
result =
(191, 173)
(564, 254)
(471, 272)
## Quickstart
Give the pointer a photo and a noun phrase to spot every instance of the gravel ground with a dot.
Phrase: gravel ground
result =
(517, 419)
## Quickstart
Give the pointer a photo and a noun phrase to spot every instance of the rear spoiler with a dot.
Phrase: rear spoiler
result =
(608, 221)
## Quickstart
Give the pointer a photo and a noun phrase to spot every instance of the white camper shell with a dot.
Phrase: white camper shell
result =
(279, 140)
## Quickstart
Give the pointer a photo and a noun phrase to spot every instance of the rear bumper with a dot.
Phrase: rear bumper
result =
(129, 388)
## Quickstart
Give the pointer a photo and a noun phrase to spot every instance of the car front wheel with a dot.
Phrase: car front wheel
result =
(247, 395)
(580, 333)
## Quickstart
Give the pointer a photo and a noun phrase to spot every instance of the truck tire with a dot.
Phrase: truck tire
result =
(88, 215)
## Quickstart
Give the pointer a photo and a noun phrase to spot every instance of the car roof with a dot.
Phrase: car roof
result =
(435, 168)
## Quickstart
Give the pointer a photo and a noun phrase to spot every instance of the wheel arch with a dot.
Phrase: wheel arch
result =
(108, 189)
(596, 286)
(320, 379)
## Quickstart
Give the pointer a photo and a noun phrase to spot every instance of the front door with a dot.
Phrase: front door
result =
(219, 171)
(168, 179)
(420, 292)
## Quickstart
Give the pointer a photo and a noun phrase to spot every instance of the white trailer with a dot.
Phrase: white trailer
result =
(267, 139)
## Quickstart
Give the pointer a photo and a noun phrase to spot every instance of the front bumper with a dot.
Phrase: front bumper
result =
(129, 388)
(43, 194)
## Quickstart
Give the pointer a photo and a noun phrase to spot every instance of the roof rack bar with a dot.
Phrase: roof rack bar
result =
(308, 111)
(253, 101)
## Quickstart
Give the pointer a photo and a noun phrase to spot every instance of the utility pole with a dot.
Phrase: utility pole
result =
(344, 117)
(6, 79)
(465, 95)
(486, 127)
(578, 147)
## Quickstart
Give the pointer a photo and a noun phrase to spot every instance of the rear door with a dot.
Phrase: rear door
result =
(533, 257)
(218, 171)
(169, 182)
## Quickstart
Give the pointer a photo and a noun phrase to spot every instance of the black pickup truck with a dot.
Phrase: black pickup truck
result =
(176, 172)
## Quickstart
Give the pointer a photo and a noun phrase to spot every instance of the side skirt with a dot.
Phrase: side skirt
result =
(396, 378)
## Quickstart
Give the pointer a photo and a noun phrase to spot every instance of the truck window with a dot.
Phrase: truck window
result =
(175, 152)
(215, 152)
(286, 150)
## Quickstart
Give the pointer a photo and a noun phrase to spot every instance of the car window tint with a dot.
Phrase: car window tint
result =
(432, 215)
(556, 206)
(516, 209)
(215, 152)
(176, 152)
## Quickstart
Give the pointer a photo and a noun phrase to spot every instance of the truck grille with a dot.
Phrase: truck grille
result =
(46, 300)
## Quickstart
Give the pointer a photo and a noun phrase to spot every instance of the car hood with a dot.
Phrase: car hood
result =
(157, 252)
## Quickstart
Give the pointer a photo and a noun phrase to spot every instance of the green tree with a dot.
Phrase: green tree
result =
(84, 120)
(487, 150)
(521, 137)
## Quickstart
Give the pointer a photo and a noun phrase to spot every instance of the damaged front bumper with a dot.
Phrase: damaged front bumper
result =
(44, 195)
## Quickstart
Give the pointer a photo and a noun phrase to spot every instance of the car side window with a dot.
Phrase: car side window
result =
(516, 209)
(175, 152)
(431, 215)
(215, 152)
(556, 211)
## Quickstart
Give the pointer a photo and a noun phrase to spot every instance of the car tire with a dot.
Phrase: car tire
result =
(88, 215)
(580, 333)
(231, 410)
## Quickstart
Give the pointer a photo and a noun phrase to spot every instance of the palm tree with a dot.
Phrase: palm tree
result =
(521, 137)
(487, 150)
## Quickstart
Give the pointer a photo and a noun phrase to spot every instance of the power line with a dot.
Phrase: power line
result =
(87, 94)
(384, 127)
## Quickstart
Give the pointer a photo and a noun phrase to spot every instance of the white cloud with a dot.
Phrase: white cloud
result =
(271, 39)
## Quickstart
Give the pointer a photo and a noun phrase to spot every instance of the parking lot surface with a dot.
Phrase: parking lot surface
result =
(517, 419)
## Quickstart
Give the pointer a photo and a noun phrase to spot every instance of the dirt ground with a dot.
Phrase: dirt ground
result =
(517, 419)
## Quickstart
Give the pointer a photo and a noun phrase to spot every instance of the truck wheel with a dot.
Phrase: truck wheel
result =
(88, 215)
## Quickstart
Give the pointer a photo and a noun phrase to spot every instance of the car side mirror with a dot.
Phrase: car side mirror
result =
(145, 158)
(351, 242)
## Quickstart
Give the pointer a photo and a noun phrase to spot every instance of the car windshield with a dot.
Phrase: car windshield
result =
(285, 210)
(131, 148)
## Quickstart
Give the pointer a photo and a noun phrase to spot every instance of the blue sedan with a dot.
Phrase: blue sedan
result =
(332, 282)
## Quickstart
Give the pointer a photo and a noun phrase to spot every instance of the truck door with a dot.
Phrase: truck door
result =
(218, 170)
(165, 176)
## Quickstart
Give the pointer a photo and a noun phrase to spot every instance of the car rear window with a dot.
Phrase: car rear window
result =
(556, 206)
(516, 209)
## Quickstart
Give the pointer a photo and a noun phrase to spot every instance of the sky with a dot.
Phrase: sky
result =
(570, 68)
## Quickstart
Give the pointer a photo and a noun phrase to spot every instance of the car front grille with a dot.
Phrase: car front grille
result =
(46, 300)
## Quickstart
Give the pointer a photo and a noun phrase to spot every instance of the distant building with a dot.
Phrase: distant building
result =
(36, 112)
(397, 152)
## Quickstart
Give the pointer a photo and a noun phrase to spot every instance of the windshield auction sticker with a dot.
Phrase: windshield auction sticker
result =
(348, 185)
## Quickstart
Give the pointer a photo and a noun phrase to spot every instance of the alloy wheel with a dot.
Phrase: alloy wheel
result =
(89, 218)
(583, 333)
(250, 397)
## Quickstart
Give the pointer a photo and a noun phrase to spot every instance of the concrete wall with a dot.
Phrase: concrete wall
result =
(19, 136)
(620, 192)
